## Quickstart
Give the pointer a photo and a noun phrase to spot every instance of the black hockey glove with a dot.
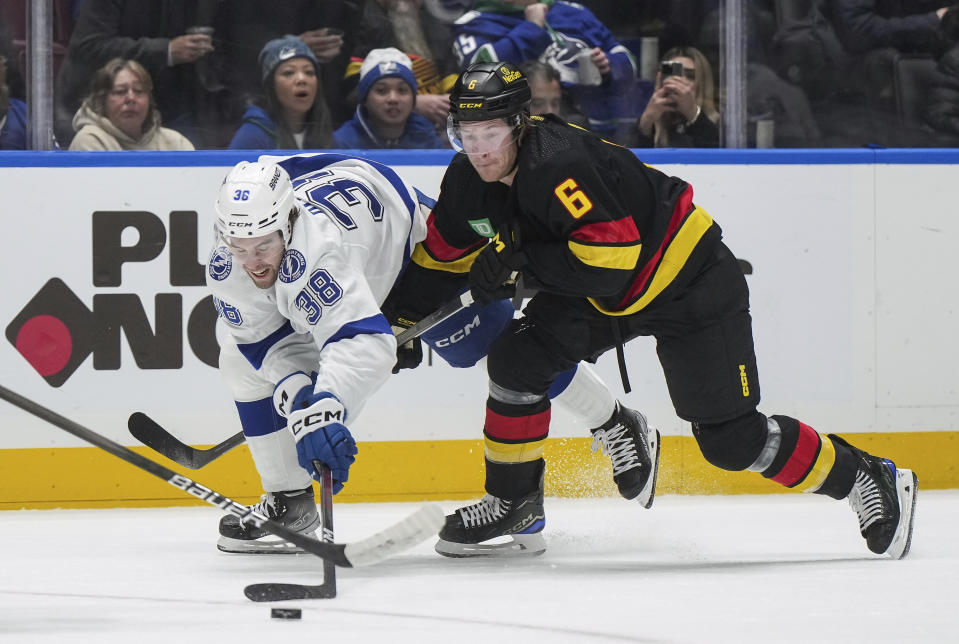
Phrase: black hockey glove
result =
(492, 274)
(409, 355)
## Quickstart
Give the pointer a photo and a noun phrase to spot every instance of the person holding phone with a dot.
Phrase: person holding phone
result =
(682, 111)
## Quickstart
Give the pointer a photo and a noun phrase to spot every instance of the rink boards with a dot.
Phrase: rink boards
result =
(849, 255)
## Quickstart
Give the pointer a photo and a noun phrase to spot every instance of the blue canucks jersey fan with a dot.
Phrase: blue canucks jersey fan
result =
(595, 69)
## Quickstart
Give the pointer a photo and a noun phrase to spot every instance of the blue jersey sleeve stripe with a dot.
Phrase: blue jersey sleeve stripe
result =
(373, 324)
(426, 200)
(256, 351)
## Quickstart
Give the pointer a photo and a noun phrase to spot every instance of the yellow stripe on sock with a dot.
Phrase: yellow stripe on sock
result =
(821, 468)
(514, 452)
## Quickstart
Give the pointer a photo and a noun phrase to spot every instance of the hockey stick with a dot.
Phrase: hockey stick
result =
(434, 318)
(327, 590)
(153, 435)
(150, 433)
(415, 528)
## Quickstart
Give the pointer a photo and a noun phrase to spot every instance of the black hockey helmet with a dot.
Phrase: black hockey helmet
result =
(486, 91)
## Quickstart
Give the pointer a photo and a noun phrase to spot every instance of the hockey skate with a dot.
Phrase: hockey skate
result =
(633, 448)
(295, 510)
(884, 498)
(521, 521)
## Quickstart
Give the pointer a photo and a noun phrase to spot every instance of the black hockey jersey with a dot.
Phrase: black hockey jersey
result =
(594, 221)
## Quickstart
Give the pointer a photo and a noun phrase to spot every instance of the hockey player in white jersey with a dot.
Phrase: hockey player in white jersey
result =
(307, 249)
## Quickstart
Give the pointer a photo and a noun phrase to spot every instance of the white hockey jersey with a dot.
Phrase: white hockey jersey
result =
(356, 230)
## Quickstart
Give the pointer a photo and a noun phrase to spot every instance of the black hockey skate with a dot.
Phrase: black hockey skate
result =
(522, 520)
(633, 448)
(884, 498)
(295, 510)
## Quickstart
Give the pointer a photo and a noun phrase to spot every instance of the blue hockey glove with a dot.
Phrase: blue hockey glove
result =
(316, 420)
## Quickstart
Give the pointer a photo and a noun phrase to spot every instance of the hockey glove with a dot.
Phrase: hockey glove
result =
(409, 355)
(492, 274)
(316, 420)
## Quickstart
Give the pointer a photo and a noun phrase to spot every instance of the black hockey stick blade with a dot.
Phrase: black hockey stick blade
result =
(417, 527)
(153, 435)
(327, 590)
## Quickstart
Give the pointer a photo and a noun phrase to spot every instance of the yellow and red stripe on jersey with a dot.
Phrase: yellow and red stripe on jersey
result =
(687, 225)
(607, 244)
(515, 439)
(437, 254)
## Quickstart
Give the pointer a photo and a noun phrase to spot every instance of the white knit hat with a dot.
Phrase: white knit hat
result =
(384, 63)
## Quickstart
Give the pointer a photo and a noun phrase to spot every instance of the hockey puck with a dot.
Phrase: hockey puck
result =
(286, 613)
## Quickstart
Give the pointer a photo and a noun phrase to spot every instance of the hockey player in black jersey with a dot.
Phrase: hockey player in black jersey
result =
(617, 250)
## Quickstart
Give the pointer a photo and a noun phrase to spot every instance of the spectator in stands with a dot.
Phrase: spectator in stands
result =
(420, 30)
(167, 38)
(682, 111)
(13, 115)
(597, 71)
(547, 94)
(908, 26)
(292, 114)
(120, 113)
(328, 28)
(876, 31)
(384, 117)
(941, 111)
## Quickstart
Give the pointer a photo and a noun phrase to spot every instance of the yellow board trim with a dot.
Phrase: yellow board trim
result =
(820, 469)
(87, 477)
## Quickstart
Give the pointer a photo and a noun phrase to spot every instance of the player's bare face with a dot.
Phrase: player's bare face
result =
(295, 84)
(491, 147)
(260, 257)
(127, 103)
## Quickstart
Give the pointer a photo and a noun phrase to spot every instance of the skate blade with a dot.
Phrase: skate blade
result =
(520, 545)
(648, 493)
(264, 546)
(907, 488)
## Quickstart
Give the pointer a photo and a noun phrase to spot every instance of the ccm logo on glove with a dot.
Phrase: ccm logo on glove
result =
(319, 414)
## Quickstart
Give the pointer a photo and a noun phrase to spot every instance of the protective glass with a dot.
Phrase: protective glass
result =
(480, 137)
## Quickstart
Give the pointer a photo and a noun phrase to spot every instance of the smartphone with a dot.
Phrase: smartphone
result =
(671, 68)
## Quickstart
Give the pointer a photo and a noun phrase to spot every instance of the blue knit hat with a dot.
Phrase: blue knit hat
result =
(280, 50)
(385, 63)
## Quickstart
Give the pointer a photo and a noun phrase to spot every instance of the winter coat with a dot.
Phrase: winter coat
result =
(909, 26)
(95, 132)
(13, 129)
(256, 132)
(357, 134)
(941, 110)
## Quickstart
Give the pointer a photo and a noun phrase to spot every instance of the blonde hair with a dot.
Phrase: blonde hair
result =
(705, 90)
(104, 79)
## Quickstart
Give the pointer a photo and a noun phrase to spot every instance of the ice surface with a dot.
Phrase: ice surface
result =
(776, 568)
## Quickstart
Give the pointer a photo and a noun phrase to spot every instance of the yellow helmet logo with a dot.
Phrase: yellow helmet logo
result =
(510, 76)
